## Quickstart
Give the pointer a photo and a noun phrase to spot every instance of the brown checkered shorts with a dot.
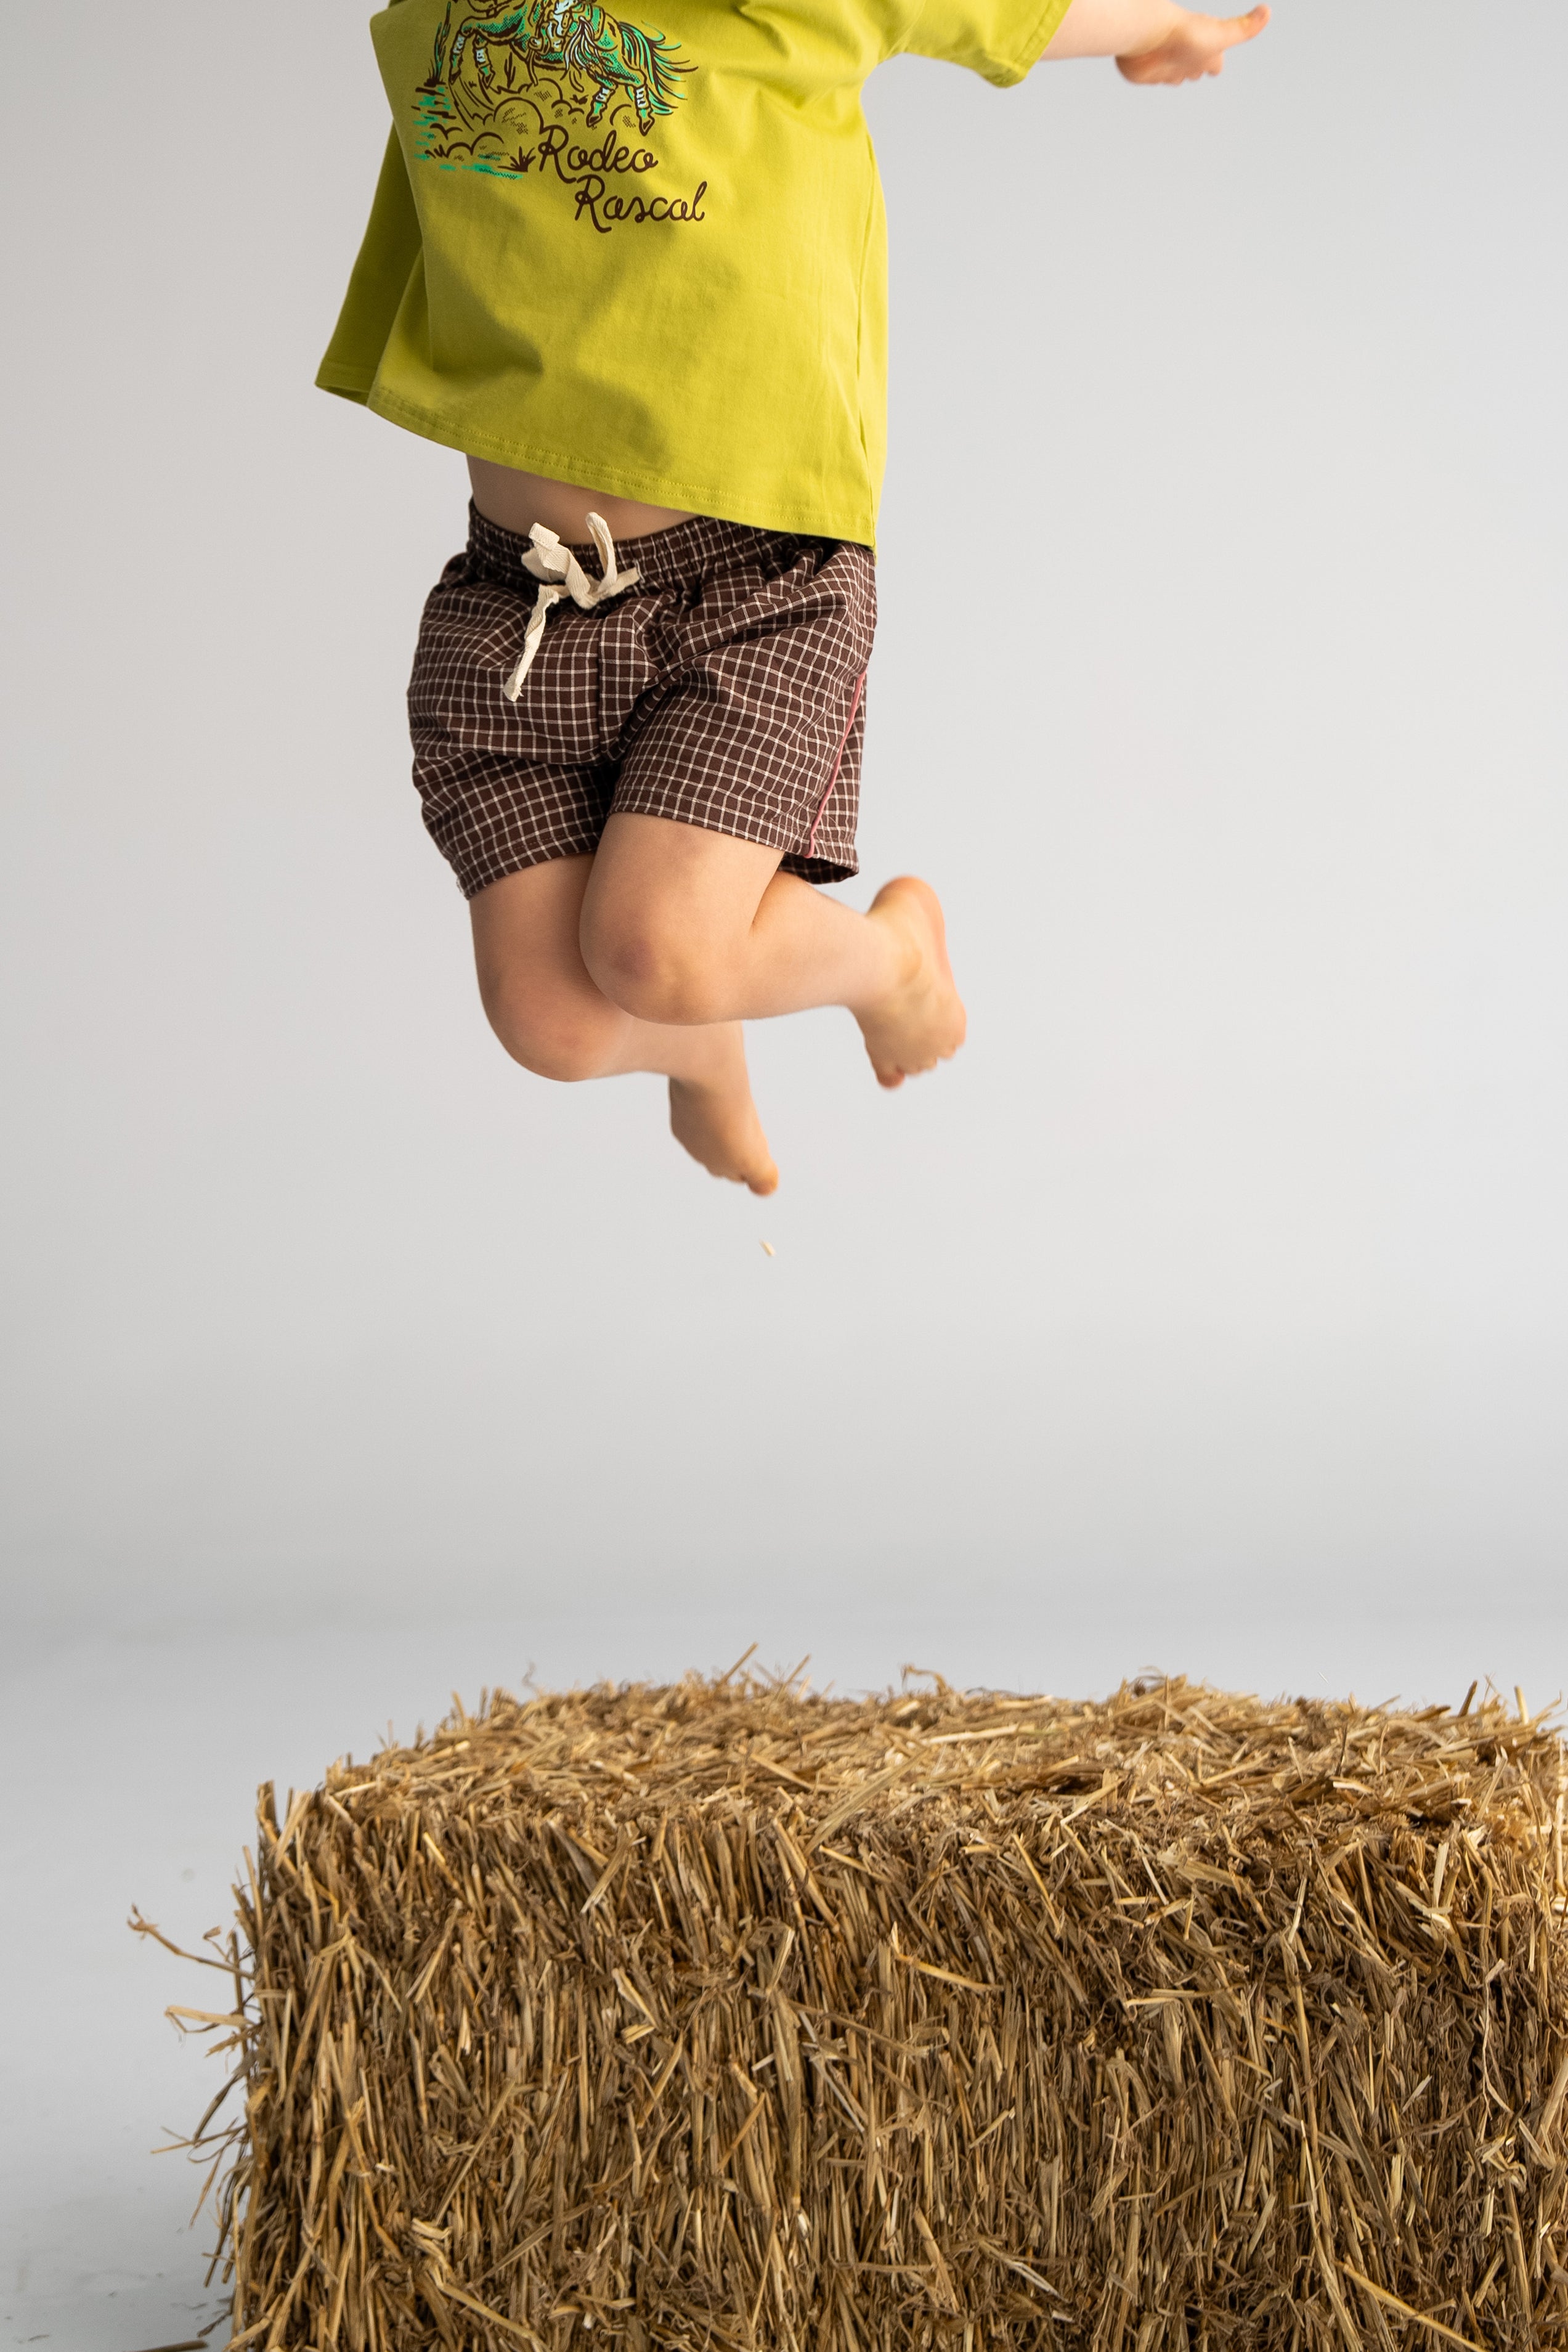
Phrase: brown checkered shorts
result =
(727, 689)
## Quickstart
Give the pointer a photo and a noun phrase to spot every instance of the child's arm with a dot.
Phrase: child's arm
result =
(1153, 40)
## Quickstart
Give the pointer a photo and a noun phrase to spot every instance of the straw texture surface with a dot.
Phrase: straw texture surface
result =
(719, 2015)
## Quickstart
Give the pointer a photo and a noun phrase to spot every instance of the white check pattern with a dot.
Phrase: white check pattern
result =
(725, 690)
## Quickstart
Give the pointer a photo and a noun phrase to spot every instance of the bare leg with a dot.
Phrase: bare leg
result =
(682, 927)
(550, 1017)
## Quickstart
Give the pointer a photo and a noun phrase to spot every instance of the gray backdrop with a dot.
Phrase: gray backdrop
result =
(1208, 1314)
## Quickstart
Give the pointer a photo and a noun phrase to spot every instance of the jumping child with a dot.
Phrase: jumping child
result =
(638, 277)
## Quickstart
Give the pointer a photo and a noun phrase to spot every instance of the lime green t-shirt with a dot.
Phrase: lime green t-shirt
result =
(649, 259)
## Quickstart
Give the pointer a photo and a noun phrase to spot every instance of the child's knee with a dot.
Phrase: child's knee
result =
(654, 964)
(551, 1039)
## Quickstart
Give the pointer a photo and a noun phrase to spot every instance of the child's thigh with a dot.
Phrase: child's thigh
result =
(661, 882)
(526, 926)
(533, 982)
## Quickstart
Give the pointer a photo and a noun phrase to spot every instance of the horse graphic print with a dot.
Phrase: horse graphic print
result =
(502, 83)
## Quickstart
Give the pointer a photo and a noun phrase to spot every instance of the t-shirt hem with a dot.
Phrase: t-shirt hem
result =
(760, 511)
(353, 384)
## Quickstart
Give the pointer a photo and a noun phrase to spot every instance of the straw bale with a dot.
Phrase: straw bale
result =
(724, 2016)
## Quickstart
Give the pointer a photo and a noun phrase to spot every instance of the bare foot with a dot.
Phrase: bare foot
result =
(712, 1117)
(921, 1022)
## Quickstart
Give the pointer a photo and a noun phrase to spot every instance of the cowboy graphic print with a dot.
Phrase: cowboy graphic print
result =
(498, 82)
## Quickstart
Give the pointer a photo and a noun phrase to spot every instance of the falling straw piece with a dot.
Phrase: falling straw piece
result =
(769, 1249)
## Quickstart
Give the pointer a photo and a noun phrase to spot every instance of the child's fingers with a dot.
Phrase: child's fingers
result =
(1197, 48)
(1231, 29)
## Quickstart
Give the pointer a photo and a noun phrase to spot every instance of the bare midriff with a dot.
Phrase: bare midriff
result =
(517, 501)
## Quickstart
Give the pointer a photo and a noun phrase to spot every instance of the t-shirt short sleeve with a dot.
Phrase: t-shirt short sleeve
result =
(998, 39)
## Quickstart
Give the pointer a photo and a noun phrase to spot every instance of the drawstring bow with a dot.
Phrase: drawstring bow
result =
(560, 574)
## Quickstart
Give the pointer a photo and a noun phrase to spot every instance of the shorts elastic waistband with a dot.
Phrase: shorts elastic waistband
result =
(679, 556)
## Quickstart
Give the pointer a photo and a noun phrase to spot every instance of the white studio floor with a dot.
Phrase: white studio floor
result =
(131, 1766)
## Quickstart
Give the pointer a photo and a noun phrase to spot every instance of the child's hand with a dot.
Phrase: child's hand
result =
(1194, 48)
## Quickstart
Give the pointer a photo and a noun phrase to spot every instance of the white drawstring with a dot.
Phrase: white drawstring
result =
(563, 575)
